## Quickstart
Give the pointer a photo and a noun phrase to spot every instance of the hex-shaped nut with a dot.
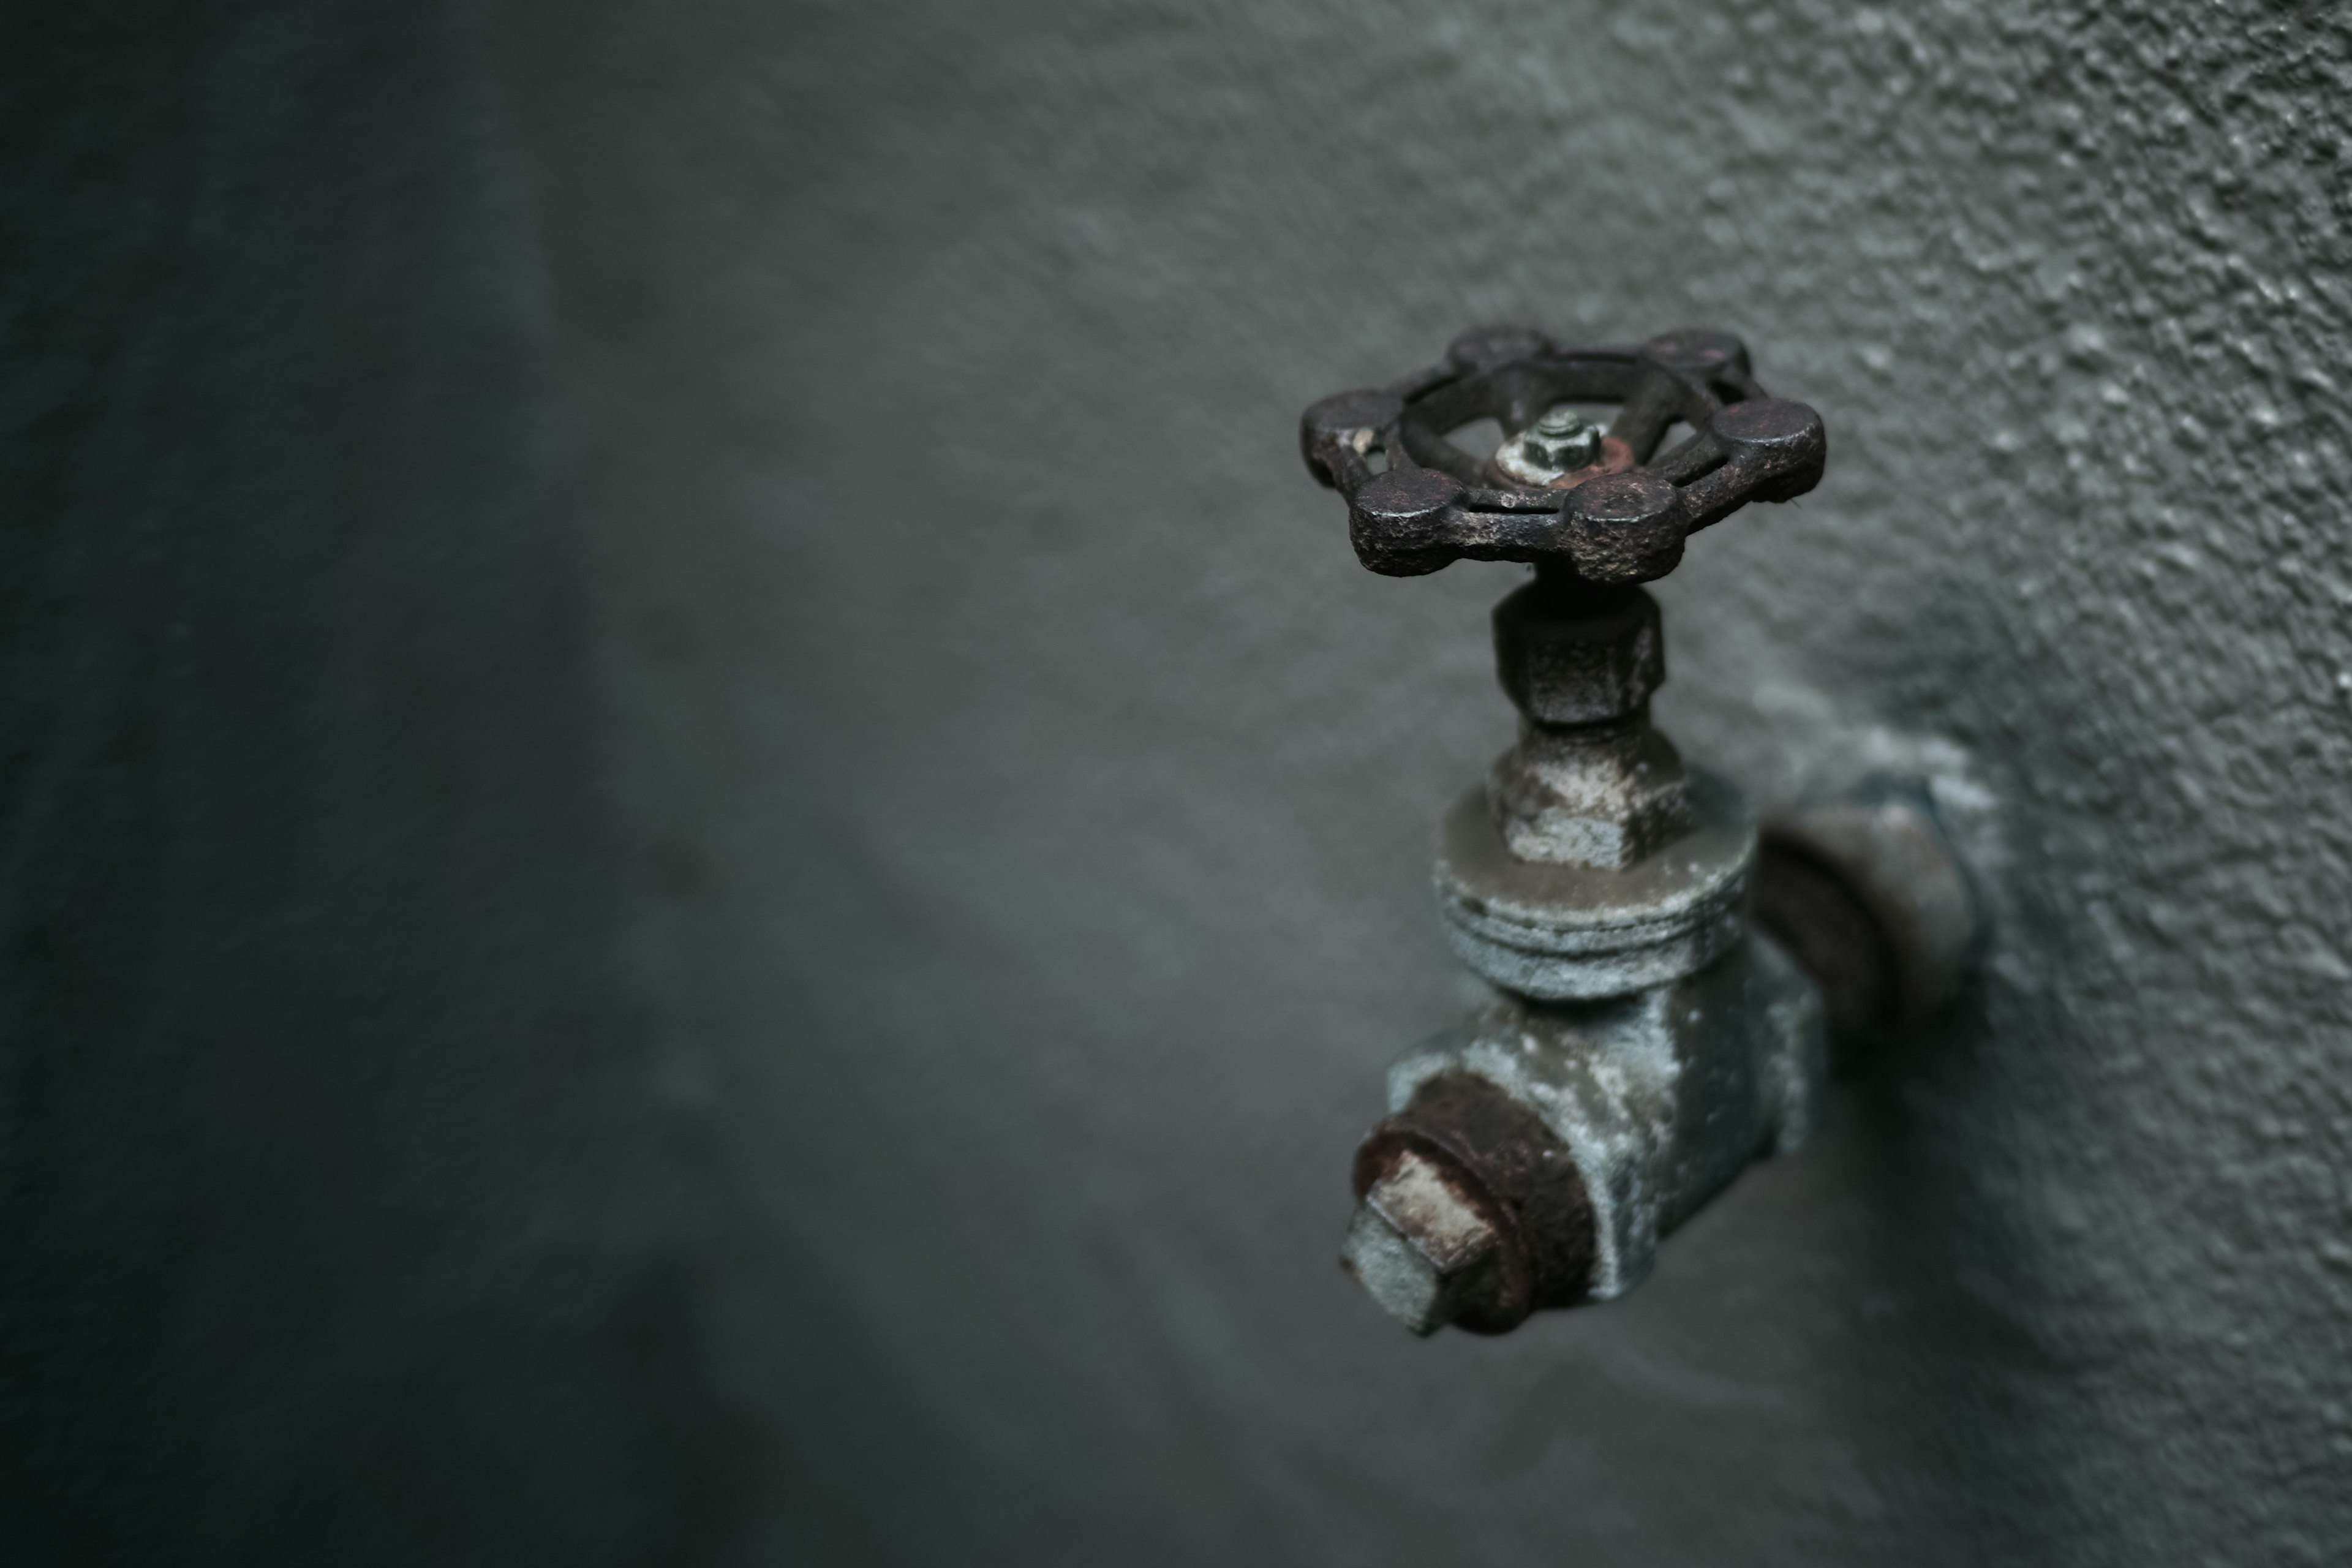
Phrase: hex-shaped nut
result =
(1587, 659)
(1470, 1210)
(1421, 1245)
(1590, 794)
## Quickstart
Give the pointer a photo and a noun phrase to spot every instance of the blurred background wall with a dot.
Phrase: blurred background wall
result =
(708, 852)
(338, 1223)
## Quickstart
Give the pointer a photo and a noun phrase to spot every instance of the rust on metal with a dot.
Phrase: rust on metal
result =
(1430, 503)
(1514, 1171)
(1645, 1045)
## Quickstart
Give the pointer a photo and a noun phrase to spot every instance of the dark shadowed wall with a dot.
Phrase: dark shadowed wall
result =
(336, 1221)
(710, 852)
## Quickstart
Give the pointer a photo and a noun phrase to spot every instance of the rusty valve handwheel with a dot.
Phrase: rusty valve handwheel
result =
(1622, 518)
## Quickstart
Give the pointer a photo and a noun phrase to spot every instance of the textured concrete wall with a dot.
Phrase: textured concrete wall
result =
(1016, 803)
(1041, 794)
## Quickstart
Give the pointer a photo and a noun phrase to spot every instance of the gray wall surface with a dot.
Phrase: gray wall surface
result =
(711, 853)
(1041, 795)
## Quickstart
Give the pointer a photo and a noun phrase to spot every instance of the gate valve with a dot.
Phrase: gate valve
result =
(1643, 1044)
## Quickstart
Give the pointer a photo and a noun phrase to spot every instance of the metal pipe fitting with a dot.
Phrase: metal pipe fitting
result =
(1868, 894)
(1579, 1134)
(1646, 1041)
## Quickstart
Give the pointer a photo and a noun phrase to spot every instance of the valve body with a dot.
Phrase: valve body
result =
(1643, 1044)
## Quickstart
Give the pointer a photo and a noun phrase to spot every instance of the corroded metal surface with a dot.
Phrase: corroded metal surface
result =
(1560, 451)
(1589, 783)
(1430, 1251)
(1430, 503)
(1660, 1096)
(1602, 795)
(1562, 932)
(1568, 657)
(1502, 1160)
(1869, 886)
(1647, 1047)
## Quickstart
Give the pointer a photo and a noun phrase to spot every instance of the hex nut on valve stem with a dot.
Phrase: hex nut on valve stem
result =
(1646, 1041)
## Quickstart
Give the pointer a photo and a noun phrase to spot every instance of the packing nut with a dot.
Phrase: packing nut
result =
(1579, 656)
